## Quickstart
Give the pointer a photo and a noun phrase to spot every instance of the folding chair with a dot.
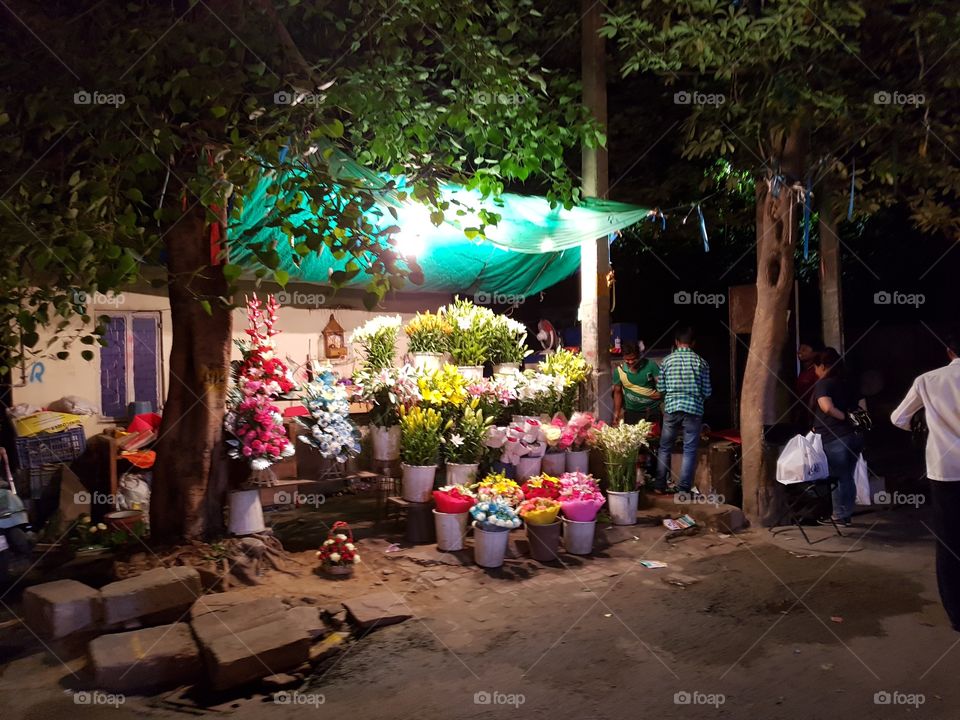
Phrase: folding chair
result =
(803, 502)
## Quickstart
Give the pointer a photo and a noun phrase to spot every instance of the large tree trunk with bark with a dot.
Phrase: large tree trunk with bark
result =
(777, 218)
(189, 484)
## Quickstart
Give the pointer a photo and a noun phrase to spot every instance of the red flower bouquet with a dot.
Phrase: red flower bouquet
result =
(338, 554)
(454, 499)
(542, 486)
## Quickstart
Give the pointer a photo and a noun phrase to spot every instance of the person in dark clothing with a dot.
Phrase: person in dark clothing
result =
(806, 379)
(831, 400)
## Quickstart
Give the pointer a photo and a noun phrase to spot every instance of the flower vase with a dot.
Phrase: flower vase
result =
(471, 372)
(427, 361)
(246, 513)
(554, 464)
(527, 467)
(544, 541)
(490, 547)
(578, 461)
(578, 536)
(462, 473)
(451, 530)
(338, 570)
(386, 442)
(417, 482)
(506, 368)
(623, 506)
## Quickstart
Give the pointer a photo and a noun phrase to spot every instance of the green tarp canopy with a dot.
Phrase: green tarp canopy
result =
(531, 248)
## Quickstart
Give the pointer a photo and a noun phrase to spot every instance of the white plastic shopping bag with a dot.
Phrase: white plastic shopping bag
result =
(862, 477)
(802, 460)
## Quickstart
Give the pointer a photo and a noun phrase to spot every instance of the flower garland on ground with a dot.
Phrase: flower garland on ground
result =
(255, 423)
(329, 427)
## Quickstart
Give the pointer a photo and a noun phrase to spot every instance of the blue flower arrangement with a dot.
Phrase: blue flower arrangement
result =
(328, 424)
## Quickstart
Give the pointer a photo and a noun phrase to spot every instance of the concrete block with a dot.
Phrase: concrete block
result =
(158, 592)
(147, 659)
(268, 649)
(234, 620)
(377, 609)
(60, 608)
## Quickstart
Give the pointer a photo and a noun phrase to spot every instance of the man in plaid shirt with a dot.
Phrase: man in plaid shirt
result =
(685, 384)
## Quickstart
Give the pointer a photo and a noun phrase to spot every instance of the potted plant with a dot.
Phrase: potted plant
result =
(377, 339)
(574, 369)
(450, 516)
(420, 433)
(338, 555)
(539, 394)
(428, 336)
(580, 500)
(471, 329)
(620, 445)
(508, 344)
(543, 527)
(575, 437)
(463, 444)
(327, 423)
(492, 524)
(388, 390)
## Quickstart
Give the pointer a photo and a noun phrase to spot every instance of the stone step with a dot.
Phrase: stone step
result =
(147, 659)
(235, 619)
(151, 596)
(57, 609)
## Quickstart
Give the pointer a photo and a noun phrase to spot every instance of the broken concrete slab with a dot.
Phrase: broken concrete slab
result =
(281, 681)
(57, 609)
(236, 619)
(309, 619)
(377, 610)
(719, 517)
(270, 648)
(150, 595)
(218, 602)
(145, 659)
(331, 645)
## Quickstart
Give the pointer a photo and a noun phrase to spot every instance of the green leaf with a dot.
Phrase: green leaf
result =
(282, 277)
(218, 111)
(232, 272)
(205, 304)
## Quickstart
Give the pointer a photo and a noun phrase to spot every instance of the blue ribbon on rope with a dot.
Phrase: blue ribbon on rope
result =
(807, 207)
(853, 186)
(703, 230)
(283, 153)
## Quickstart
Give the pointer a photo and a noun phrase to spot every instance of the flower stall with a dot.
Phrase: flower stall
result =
(620, 445)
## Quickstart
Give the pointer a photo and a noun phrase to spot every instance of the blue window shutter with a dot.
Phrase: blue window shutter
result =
(113, 369)
(146, 365)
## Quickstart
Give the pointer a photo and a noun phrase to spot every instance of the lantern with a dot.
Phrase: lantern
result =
(333, 344)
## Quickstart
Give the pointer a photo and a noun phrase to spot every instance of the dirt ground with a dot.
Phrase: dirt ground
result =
(736, 626)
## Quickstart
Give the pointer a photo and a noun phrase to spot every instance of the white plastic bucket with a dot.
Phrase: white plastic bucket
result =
(554, 464)
(578, 461)
(461, 473)
(623, 507)
(246, 513)
(578, 536)
(417, 482)
(527, 467)
(386, 442)
(451, 529)
(490, 547)
(471, 372)
(427, 361)
(506, 368)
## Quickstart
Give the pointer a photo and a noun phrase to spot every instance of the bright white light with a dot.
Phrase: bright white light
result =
(415, 224)
(546, 245)
(409, 244)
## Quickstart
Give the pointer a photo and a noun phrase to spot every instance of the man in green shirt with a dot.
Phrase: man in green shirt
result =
(635, 395)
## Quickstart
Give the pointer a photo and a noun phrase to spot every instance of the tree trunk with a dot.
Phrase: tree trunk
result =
(776, 220)
(189, 483)
(831, 296)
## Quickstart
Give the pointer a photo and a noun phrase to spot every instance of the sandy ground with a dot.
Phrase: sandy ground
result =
(749, 627)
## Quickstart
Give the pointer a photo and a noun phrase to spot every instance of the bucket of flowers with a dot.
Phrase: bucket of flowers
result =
(508, 344)
(620, 445)
(555, 458)
(429, 337)
(388, 390)
(377, 339)
(576, 435)
(463, 444)
(328, 424)
(542, 486)
(492, 522)
(580, 501)
(496, 487)
(338, 555)
(574, 369)
(471, 328)
(450, 516)
(421, 431)
(543, 527)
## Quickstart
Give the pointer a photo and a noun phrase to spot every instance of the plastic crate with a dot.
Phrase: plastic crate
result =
(61, 447)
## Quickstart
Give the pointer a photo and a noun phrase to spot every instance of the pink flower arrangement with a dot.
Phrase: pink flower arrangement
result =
(580, 497)
(259, 365)
(575, 433)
